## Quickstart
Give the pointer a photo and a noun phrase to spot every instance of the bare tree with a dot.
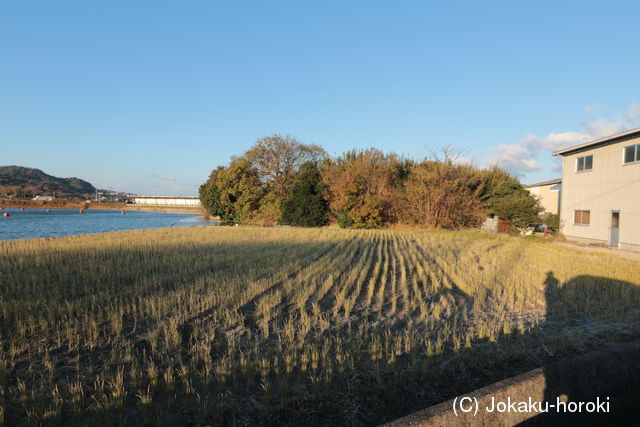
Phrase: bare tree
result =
(279, 157)
(440, 194)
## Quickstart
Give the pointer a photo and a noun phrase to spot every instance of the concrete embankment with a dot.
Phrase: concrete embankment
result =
(607, 378)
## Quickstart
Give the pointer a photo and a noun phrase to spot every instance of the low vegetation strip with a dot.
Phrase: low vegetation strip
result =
(255, 326)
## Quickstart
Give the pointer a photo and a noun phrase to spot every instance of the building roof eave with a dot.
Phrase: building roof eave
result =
(543, 183)
(607, 140)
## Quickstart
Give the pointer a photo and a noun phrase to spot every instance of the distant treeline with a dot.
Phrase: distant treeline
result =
(283, 181)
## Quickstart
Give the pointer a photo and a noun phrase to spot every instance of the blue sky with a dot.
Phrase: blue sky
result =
(149, 96)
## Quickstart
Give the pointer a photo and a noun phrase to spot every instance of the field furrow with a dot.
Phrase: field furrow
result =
(258, 326)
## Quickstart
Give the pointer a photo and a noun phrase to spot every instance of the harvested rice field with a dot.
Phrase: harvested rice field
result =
(286, 326)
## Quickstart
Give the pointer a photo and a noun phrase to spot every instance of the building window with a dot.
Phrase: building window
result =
(584, 163)
(582, 217)
(632, 153)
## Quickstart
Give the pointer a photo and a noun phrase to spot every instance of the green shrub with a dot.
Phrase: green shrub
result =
(551, 220)
(344, 220)
(304, 204)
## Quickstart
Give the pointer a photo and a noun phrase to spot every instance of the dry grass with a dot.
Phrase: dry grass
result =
(211, 325)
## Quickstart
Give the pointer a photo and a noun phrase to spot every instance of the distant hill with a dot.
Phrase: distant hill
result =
(24, 183)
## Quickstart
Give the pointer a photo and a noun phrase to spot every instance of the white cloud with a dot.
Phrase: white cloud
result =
(164, 178)
(555, 168)
(594, 108)
(515, 158)
(557, 140)
(520, 157)
(601, 127)
(462, 160)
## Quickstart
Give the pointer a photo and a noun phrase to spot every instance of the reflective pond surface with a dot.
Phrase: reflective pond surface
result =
(32, 223)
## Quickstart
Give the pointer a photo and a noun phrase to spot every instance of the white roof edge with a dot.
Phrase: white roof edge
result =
(596, 141)
(543, 183)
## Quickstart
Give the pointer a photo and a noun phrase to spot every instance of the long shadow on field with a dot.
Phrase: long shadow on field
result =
(582, 314)
(361, 388)
(588, 301)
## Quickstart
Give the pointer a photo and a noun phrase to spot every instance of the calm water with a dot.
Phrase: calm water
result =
(61, 222)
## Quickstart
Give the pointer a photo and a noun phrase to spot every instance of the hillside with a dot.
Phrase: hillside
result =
(21, 182)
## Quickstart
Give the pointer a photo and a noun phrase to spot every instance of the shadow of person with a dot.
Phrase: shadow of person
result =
(591, 308)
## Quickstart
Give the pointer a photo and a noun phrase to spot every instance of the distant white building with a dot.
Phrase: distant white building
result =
(166, 201)
(45, 198)
(548, 192)
(600, 187)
